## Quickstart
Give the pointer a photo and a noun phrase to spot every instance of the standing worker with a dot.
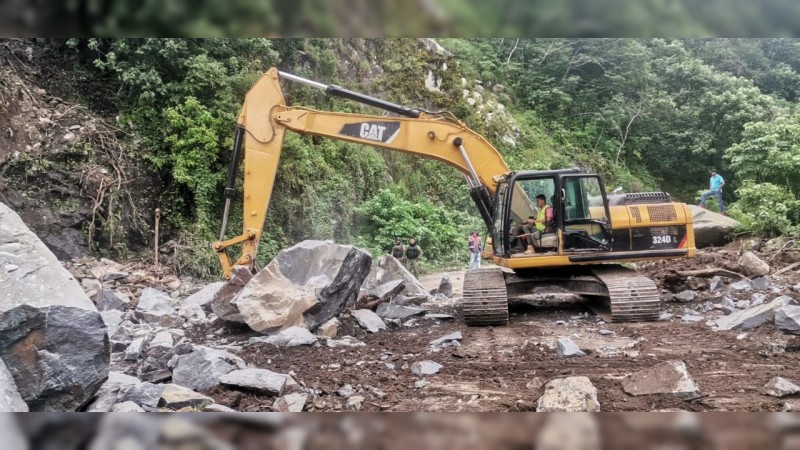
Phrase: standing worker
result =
(413, 252)
(398, 251)
(474, 250)
(715, 184)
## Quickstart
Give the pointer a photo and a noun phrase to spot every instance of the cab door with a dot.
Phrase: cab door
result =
(584, 216)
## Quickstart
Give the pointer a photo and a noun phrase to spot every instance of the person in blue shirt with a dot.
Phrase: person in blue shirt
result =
(715, 184)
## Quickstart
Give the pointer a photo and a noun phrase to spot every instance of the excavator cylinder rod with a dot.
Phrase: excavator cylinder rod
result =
(337, 91)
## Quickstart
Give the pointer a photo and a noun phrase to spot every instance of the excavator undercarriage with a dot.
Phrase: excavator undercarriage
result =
(488, 292)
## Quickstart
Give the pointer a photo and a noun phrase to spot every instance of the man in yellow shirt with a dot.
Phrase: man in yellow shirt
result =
(538, 224)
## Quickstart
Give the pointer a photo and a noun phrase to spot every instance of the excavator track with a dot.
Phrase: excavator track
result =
(634, 297)
(485, 299)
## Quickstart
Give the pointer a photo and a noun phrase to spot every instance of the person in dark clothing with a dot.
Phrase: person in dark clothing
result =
(517, 238)
(413, 252)
(398, 251)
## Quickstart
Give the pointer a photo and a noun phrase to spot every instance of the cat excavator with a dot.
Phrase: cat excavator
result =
(587, 238)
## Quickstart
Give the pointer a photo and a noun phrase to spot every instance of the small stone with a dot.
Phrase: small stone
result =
(346, 390)
(752, 265)
(134, 350)
(570, 394)
(665, 316)
(741, 336)
(606, 333)
(369, 320)
(743, 304)
(176, 397)
(760, 283)
(258, 380)
(686, 296)
(534, 384)
(455, 336)
(427, 367)
(439, 316)
(290, 337)
(780, 387)
(290, 403)
(727, 301)
(787, 319)
(740, 286)
(345, 341)
(355, 402)
(717, 283)
(670, 377)
(329, 329)
(758, 299)
(420, 384)
(566, 348)
(691, 318)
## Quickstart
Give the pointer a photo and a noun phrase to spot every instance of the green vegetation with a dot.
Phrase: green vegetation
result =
(645, 113)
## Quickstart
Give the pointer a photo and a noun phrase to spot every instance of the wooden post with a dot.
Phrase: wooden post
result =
(155, 241)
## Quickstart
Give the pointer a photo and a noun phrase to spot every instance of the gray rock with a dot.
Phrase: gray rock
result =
(290, 337)
(345, 341)
(202, 368)
(728, 302)
(780, 387)
(258, 380)
(389, 269)
(445, 287)
(52, 338)
(369, 320)
(108, 299)
(115, 275)
(697, 283)
(761, 283)
(685, 296)
(355, 402)
(425, 368)
(143, 394)
(741, 286)
(127, 407)
(452, 337)
(388, 291)
(108, 394)
(717, 283)
(112, 319)
(753, 317)
(153, 304)
(758, 299)
(570, 394)
(134, 351)
(743, 304)
(727, 310)
(162, 339)
(10, 400)
(566, 348)
(306, 284)
(214, 407)
(176, 397)
(752, 265)
(290, 403)
(665, 316)
(205, 296)
(669, 377)
(222, 305)
(787, 319)
(329, 329)
(399, 312)
(691, 318)
(711, 228)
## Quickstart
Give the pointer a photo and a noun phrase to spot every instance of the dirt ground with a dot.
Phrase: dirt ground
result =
(504, 368)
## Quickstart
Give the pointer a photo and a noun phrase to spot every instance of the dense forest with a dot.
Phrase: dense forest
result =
(645, 113)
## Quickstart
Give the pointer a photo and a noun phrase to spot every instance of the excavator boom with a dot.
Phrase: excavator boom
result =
(265, 117)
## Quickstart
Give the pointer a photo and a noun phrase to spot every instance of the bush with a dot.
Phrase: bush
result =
(441, 232)
(766, 209)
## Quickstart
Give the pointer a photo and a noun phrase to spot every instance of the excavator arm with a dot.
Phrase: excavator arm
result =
(265, 117)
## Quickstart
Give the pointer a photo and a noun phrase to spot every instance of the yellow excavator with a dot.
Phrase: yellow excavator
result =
(587, 235)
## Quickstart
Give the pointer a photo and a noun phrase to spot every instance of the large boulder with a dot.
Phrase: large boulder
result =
(570, 394)
(52, 338)
(389, 269)
(305, 285)
(711, 228)
(752, 265)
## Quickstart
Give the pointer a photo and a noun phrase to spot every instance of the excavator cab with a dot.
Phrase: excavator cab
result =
(576, 213)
